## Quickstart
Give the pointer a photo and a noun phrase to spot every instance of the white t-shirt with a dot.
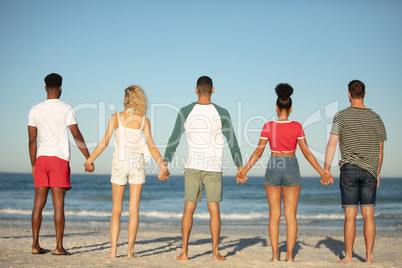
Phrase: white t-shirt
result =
(51, 118)
(205, 126)
(203, 129)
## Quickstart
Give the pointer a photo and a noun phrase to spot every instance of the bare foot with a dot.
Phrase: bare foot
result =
(288, 258)
(275, 257)
(39, 250)
(60, 252)
(369, 259)
(131, 256)
(111, 254)
(130, 253)
(344, 261)
(182, 257)
(218, 257)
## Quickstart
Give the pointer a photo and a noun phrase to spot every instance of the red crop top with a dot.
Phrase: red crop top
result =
(282, 135)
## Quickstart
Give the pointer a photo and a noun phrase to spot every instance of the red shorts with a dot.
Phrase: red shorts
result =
(51, 171)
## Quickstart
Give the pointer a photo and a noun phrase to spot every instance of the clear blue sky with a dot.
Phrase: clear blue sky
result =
(246, 47)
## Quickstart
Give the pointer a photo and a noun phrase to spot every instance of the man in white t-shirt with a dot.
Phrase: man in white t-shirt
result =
(206, 125)
(50, 158)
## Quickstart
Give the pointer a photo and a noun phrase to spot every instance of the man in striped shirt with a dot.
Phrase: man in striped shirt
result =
(361, 134)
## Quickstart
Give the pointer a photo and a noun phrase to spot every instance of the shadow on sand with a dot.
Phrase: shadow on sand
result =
(337, 247)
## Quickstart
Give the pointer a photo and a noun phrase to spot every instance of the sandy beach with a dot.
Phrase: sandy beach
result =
(157, 246)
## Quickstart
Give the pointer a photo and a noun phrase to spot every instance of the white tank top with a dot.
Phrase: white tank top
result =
(130, 141)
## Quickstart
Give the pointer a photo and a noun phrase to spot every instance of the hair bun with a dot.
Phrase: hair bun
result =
(283, 90)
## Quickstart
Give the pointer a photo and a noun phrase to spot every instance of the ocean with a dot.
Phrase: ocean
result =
(162, 203)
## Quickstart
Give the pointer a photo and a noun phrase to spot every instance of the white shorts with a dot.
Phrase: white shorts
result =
(133, 168)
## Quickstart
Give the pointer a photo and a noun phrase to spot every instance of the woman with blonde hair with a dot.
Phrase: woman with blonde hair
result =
(131, 154)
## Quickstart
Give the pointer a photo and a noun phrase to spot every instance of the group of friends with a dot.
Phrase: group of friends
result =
(359, 130)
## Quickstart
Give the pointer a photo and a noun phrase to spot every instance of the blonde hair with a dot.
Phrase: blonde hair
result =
(135, 98)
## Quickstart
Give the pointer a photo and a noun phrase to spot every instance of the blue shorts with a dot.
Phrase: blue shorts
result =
(357, 186)
(282, 170)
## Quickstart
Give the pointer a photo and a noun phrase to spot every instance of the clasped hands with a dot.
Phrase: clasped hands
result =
(326, 178)
(89, 167)
(241, 176)
(164, 173)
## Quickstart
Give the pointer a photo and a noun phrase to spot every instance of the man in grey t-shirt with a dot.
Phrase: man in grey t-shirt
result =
(361, 134)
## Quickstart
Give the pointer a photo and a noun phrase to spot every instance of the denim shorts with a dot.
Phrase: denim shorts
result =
(282, 170)
(357, 186)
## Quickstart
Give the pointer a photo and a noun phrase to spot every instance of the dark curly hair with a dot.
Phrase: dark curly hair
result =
(284, 91)
(53, 80)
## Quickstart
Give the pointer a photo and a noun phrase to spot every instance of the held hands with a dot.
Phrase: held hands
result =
(164, 173)
(326, 178)
(89, 167)
(241, 176)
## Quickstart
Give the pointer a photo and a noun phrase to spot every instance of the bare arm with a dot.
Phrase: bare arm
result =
(79, 139)
(309, 156)
(103, 143)
(32, 136)
(380, 164)
(241, 175)
(326, 178)
(331, 148)
(164, 173)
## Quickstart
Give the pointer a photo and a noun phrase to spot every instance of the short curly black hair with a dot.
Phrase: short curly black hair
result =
(53, 80)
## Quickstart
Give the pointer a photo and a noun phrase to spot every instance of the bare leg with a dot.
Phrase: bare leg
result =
(274, 195)
(186, 225)
(36, 218)
(58, 195)
(134, 209)
(215, 226)
(369, 231)
(290, 200)
(349, 233)
(117, 197)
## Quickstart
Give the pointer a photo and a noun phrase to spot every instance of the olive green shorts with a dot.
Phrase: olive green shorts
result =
(196, 180)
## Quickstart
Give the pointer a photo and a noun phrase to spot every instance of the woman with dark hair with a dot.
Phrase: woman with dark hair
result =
(282, 174)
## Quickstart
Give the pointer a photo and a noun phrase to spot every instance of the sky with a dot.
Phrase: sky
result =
(246, 47)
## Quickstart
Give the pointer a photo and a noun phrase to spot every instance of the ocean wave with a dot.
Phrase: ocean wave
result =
(146, 214)
(82, 213)
(197, 215)
(19, 211)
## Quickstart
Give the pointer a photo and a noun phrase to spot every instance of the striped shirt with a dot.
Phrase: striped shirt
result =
(360, 132)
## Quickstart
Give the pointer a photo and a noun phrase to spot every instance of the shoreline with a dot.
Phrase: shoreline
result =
(230, 225)
(157, 246)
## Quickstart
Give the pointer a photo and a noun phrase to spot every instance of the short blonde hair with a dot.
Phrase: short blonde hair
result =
(135, 98)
